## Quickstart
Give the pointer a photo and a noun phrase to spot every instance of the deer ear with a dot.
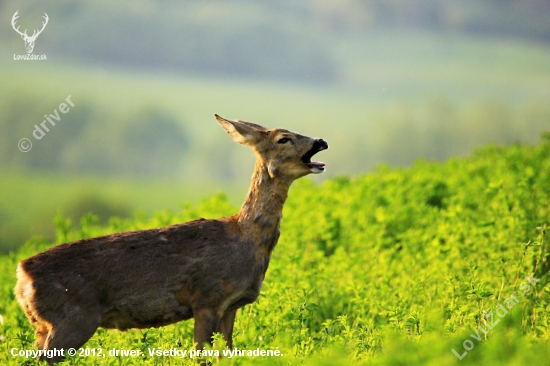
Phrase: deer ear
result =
(242, 132)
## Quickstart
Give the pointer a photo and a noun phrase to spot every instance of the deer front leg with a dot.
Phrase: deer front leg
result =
(225, 327)
(206, 323)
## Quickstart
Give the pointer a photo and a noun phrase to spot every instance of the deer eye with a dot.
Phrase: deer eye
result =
(284, 140)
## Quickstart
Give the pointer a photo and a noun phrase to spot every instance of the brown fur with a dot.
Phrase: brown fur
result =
(203, 269)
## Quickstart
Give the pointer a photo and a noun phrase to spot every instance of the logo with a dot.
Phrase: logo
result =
(29, 40)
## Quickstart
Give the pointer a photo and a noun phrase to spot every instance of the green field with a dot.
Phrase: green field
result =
(399, 266)
(425, 242)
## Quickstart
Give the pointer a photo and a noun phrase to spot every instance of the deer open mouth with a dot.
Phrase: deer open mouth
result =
(315, 166)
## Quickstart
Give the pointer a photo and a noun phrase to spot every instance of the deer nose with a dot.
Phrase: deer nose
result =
(321, 144)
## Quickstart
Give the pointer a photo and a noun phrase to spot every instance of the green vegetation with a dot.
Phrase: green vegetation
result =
(399, 266)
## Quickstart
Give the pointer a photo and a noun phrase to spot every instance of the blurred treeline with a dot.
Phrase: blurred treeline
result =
(141, 142)
(152, 143)
(284, 39)
(442, 129)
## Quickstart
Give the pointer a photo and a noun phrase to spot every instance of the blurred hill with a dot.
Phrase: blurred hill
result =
(252, 39)
(285, 39)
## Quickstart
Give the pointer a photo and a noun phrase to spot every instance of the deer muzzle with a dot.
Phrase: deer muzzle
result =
(315, 167)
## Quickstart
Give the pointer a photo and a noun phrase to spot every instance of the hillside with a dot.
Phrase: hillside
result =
(399, 266)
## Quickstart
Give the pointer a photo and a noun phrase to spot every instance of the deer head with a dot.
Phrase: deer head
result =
(286, 154)
(29, 41)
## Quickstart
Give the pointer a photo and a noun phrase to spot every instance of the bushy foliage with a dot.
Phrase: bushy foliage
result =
(400, 266)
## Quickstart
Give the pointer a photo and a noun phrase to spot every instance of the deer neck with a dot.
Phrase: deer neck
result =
(262, 210)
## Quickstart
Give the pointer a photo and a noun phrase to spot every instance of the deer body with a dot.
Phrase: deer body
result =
(203, 269)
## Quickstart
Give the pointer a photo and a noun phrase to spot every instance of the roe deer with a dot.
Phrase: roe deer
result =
(203, 269)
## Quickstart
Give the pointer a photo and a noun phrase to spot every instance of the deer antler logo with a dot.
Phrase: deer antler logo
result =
(29, 41)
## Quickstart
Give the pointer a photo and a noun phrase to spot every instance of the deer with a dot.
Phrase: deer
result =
(29, 41)
(204, 269)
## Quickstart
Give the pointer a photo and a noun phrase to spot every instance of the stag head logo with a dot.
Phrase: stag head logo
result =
(29, 40)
